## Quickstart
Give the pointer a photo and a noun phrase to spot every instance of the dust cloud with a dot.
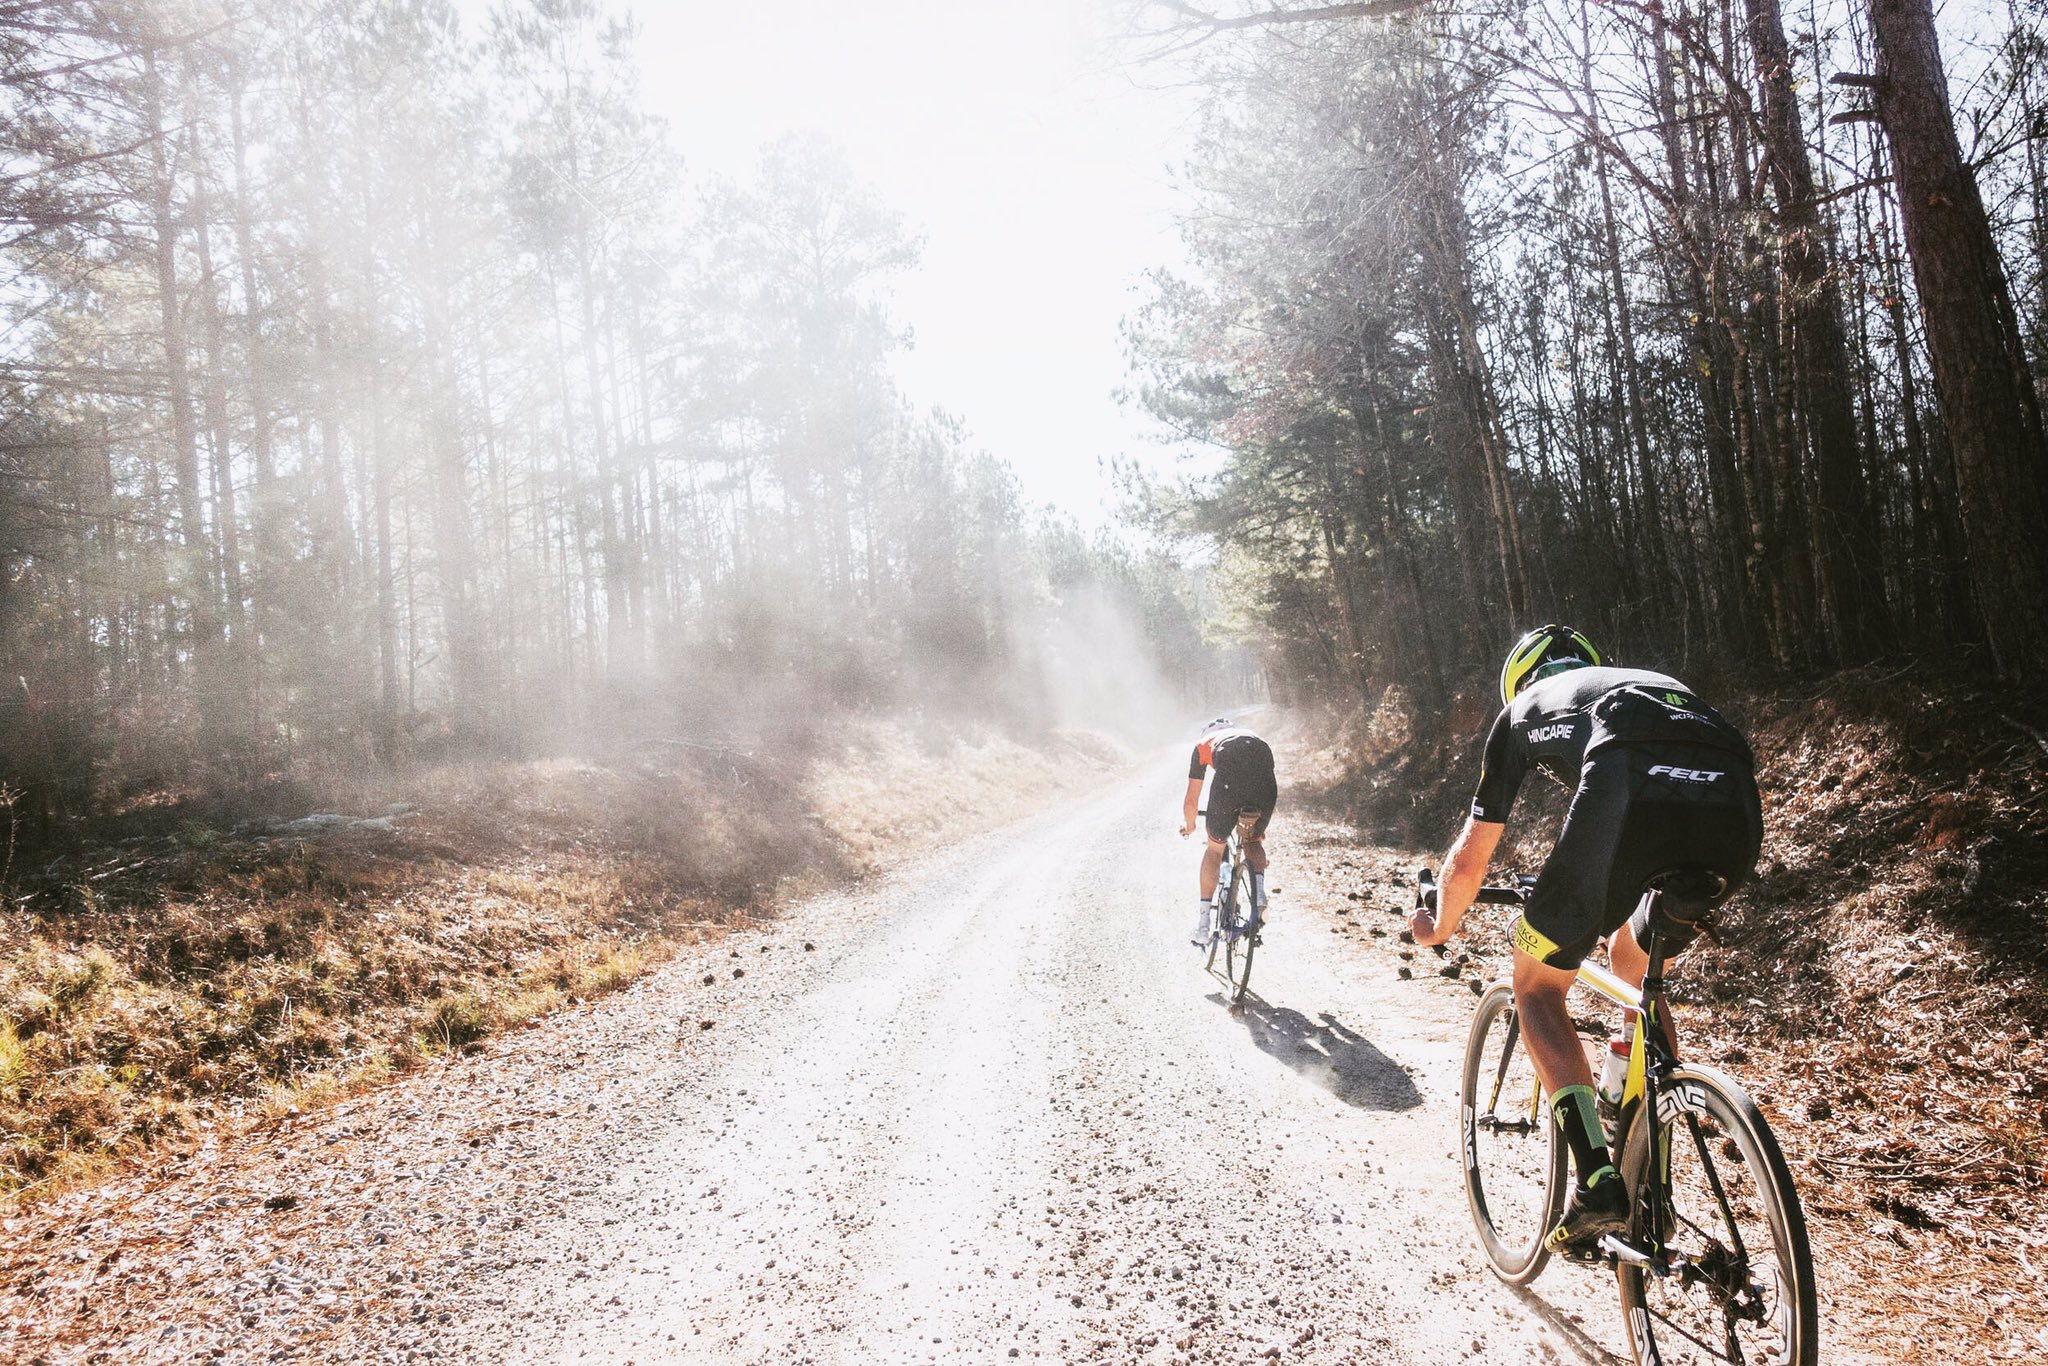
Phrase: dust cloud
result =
(382, 386)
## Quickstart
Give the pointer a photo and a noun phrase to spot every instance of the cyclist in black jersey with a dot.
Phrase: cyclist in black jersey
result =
(1243, 767)
(1660, 780)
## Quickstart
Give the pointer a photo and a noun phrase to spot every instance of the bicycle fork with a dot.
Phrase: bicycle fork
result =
(1492, 1120)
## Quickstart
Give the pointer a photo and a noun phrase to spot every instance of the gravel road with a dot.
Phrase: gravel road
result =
(987, 1107)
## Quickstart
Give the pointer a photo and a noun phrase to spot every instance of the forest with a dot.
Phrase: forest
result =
(375, 388)
(555, 803)
(1718, 330)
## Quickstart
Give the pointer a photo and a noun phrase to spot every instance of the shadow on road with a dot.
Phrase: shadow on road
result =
(1576, 1338)
(1329, 1054)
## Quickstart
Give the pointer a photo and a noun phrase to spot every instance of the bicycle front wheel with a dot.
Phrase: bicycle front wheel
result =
(1223, 906)
(1718, 1209)
(1515, 1167)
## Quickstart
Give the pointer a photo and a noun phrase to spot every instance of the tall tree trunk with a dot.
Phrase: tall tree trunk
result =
(620, 638)
(1973, 342)
(454, 546)
(264, 513)
(1465, 386)
(220, 431)
(1840, 533)
(196, 560)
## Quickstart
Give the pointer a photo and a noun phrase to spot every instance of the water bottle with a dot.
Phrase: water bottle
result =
(1613, 1075)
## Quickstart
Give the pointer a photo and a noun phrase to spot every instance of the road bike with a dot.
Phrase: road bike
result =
(1234, 927)
(1714, 1263)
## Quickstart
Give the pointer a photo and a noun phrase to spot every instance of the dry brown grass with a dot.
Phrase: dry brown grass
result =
(150, 983)
(893, 787)
(266, 970)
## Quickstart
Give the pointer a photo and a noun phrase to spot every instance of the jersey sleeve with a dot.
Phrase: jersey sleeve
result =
(1500, 773)
(1198, 766)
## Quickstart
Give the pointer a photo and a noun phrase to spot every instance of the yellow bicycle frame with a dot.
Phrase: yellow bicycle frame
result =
(1627, 997)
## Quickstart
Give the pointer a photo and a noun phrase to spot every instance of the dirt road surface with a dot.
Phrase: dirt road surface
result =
(987, 1107)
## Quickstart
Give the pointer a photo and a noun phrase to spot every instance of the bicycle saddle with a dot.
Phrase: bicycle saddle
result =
(1689, 891)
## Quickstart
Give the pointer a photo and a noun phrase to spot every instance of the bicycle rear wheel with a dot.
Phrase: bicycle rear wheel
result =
(1515, 1167)
(1740, 1281)
(1241, 952)
(1237, 946)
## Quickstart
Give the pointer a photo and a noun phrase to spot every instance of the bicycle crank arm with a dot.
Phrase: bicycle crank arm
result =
(1622, 1252)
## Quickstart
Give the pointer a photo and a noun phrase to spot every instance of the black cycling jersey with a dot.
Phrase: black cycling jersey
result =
(1556, 723)
(1660, 781)
(1244, 779)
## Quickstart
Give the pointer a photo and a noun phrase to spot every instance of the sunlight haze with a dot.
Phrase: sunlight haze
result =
(1035, 167)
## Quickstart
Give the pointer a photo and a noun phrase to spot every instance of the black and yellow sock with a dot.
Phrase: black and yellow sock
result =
(1578, 1117)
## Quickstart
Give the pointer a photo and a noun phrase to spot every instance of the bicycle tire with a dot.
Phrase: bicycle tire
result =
(1515, 1169)
(1241, 972)
(1236, 947)
(1721, 1200)
(1219, 918)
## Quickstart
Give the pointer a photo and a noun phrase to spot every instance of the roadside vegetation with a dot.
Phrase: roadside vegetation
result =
(159, 984)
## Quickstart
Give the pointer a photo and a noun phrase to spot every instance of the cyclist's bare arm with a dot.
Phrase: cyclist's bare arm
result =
(1187, 807)
(1463, 873)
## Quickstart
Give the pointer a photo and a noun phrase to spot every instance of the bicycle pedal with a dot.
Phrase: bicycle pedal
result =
(1614, 1251)
(1611, 1246)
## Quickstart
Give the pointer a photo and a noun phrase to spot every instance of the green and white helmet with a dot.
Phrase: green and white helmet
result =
(1542, 652)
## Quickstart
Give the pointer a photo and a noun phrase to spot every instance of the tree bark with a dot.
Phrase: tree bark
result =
(1973, 341)
(196, 560)
(1840, 531)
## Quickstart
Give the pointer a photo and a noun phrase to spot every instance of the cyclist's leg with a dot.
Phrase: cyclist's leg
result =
(1212, 863)
(1216, 830)
(1255, 845)
(1218, 823)
(1625, 954)
(1206, 879)
(1597, 1204)
(1560, 926)
(1553, 1040)
(1255, 842)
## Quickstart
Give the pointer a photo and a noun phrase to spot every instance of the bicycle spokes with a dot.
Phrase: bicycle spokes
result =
(1727, 1275)
(1514, 1163)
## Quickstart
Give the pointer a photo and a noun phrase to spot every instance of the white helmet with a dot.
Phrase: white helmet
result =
(1220, 723)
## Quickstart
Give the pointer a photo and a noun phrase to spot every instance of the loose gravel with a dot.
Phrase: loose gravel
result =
(988, 1107)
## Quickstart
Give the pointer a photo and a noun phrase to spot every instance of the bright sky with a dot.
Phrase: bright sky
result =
(1007, 134)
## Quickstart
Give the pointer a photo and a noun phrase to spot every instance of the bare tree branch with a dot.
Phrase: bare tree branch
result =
(1317, 14)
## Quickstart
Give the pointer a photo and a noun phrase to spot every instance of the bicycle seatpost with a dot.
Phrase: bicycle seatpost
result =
(1653, 973)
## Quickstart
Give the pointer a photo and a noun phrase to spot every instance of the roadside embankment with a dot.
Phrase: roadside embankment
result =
(1882, 986)
(154, 985)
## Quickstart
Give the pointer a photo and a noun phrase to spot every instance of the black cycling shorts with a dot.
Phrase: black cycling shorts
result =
(1640, 811)
(1225, 803)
